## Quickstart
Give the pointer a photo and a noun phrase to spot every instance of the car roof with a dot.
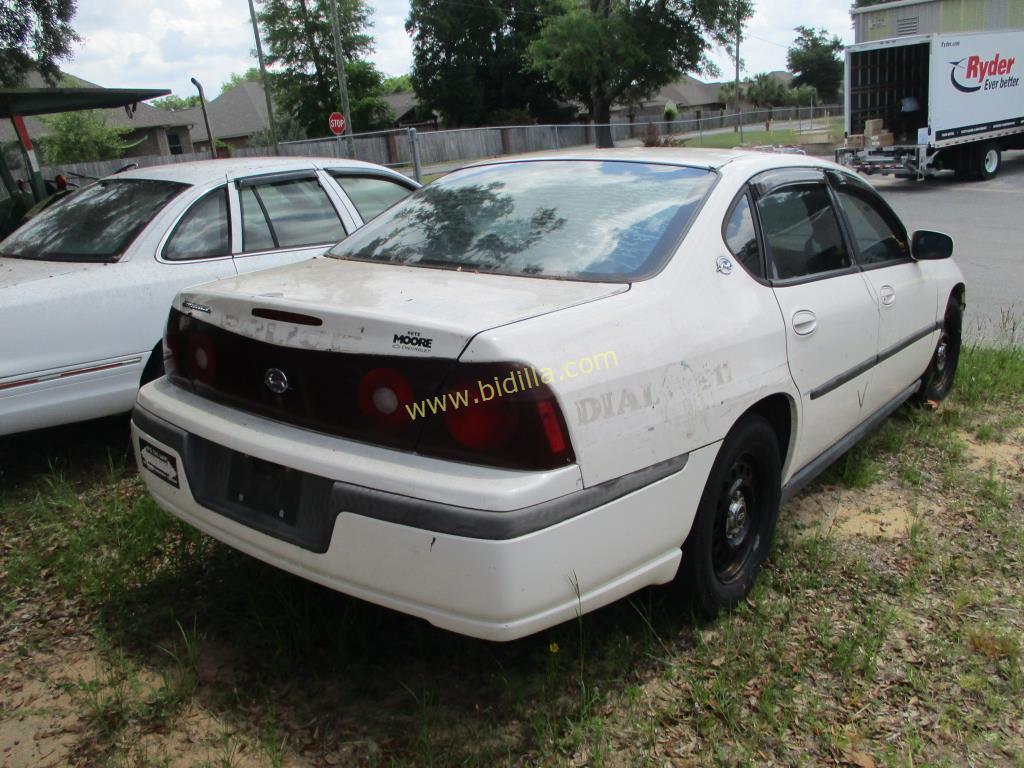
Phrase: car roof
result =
(742, 160)
(207, 171)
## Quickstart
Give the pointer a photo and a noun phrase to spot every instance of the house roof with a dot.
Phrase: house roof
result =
(239, 111)
(401, 103)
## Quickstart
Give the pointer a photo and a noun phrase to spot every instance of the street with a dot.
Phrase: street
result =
(985, 221)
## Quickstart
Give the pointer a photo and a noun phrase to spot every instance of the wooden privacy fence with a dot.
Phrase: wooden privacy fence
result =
(396, 147)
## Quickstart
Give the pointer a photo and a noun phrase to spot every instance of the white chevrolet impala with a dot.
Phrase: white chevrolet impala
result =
(85, 287)
(538, 385)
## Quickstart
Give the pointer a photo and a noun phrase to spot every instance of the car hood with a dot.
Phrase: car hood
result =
(16, 272)
(374, 308)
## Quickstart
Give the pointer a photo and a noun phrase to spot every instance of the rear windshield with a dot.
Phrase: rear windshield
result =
(598, 220)
(94, 224)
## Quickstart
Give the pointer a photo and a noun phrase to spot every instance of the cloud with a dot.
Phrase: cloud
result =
(153, 43)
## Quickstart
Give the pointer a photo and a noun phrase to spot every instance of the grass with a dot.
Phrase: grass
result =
(898, 651)
(753, 137)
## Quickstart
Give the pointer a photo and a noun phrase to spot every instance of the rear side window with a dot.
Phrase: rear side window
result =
(288, 214)
(878, 233)
(204, 232)
(801, 232)
(741, 237)
(369, 194)
(95, 224)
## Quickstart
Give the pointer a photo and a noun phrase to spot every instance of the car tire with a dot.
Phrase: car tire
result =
(938, 378)
(154, 366)
(735, 520)
(989, 160)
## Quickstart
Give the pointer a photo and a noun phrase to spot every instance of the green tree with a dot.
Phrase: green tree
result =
(766, 91)
(801, 96)
(173, 103)
(599, 51)
(815, 59)
(83, 136)
(300, 43)
(34, 34)
(252, 74)
(470, 60)
(398, 84)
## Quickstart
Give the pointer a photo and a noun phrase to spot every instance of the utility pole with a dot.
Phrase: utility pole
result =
(263, 78)
(739, 31)
(339, 62)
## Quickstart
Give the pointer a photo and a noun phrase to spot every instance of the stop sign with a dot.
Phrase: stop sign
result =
(336, 122)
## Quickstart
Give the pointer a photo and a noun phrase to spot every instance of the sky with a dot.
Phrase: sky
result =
(163, 43)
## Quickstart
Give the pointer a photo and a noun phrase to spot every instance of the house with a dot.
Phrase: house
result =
(153, 131)
(921, 17)
(689, 95)
(235, 116)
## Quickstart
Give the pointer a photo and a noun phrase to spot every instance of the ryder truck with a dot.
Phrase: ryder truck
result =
(946, 101)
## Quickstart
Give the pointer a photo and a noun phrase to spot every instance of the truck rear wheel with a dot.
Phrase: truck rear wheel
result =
(988, 161)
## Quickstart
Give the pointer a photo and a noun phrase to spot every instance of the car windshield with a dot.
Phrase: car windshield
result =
(602, 220)
(94, 224)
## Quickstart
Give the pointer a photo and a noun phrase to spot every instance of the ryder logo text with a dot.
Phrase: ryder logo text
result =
(973, 73)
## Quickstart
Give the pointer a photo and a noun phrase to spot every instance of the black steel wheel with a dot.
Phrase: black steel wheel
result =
(735, 520)
(941, 373)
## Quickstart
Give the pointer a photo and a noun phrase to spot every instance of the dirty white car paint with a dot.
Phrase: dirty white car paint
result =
(78, 336)
(736, 381)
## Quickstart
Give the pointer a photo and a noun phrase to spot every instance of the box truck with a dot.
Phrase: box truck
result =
(921, 104)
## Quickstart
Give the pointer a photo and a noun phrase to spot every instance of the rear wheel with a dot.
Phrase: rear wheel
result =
(735, 521)
(989, 161)
(938, 378)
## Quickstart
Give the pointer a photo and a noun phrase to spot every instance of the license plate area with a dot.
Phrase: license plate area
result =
(265, 488)
(280, 501)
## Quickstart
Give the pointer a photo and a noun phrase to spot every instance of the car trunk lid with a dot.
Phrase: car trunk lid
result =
(382, 309)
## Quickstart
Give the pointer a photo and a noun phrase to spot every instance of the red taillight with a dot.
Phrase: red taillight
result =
(200, 357)
(383, 395)
(498, 414)
(481, 426)
(553, 429)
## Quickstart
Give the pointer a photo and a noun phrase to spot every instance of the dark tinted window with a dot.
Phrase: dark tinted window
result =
(587, 219)
(877, 232)
(95, 224)
(741, 237)
(371, 195)
(204, 232)
(299, 213)
(801, 232)
(255, 230)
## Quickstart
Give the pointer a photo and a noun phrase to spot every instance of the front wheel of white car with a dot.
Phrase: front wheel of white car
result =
(938, 379)
(735, 521)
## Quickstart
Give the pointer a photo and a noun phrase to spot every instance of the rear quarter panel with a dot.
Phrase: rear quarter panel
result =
(694, 348)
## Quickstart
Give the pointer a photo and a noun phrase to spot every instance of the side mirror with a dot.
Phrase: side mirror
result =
(931, 245)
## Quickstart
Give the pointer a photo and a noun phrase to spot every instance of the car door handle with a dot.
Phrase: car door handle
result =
(888, 295)
(805, 322)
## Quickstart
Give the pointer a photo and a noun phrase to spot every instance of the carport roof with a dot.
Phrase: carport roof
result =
(43, 101)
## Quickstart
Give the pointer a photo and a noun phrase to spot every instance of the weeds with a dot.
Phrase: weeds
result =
(906, 650)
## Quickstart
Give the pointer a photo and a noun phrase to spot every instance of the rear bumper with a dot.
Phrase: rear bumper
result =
(497, 575)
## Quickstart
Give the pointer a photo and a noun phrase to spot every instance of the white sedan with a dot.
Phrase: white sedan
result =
(536, 386)
(85, 287)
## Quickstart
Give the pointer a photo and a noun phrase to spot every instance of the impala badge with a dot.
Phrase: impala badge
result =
(276, 381)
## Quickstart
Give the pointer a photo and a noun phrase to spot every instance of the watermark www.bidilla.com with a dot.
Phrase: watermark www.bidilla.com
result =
(519, 380)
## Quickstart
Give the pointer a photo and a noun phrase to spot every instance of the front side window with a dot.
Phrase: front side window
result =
(288, 214)
(96, 224)
(741, 237)
(801, 232)
(879, 236)
(578, 219)
(369, 194)
(204, 232)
